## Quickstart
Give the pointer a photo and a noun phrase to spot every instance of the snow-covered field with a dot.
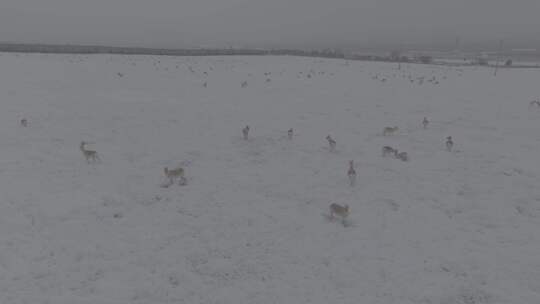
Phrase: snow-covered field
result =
(251, 225)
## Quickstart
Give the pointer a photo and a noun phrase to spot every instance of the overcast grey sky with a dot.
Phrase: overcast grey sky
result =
(177, 23)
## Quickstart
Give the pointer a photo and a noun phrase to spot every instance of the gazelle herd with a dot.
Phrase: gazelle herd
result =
(178, 174)
(343, 211)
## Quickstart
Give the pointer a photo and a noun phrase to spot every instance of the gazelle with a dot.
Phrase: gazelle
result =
(390, 130)
(89, 155)
(403, 156)
(387, 150)
(351, 173)
(331, 143)
(425, 122)
(174, 174)
(341, 211)
(449, 143)
(290, 134)
(245, 132)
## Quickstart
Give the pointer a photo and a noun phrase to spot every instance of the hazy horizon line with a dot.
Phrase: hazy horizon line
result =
(351, 46)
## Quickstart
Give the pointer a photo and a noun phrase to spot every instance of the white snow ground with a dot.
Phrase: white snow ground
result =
(251, 227)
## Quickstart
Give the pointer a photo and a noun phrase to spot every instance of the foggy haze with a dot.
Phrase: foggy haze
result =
(282, 23)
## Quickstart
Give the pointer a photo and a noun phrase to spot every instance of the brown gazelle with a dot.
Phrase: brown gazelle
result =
(341, 211)
(387, 150)
(425, 122)
(449, 143)
(390, 130)
(351, 173)
(331, 143)
(89, 155)
(290, 134)
(245, 132)
(174, 174)
(403, 156)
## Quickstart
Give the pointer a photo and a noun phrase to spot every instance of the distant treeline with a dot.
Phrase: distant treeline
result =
(84, 49)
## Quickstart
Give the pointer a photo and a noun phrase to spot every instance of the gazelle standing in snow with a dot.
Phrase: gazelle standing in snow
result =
(245, 132)
(89, 155)
(386, 150)
(290, 133)
(449, 143)
(425, 122)
(403, 156)
(390, 130)
(174, 174)
(351, 173)
(341, 211)
(331, 143)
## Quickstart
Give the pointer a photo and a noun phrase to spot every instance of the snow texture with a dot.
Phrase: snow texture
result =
(252, 223)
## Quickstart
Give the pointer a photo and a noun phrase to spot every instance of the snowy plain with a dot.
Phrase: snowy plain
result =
(251, 225)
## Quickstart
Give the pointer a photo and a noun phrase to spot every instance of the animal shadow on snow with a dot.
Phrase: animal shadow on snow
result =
(166, 183)
(345, 222)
